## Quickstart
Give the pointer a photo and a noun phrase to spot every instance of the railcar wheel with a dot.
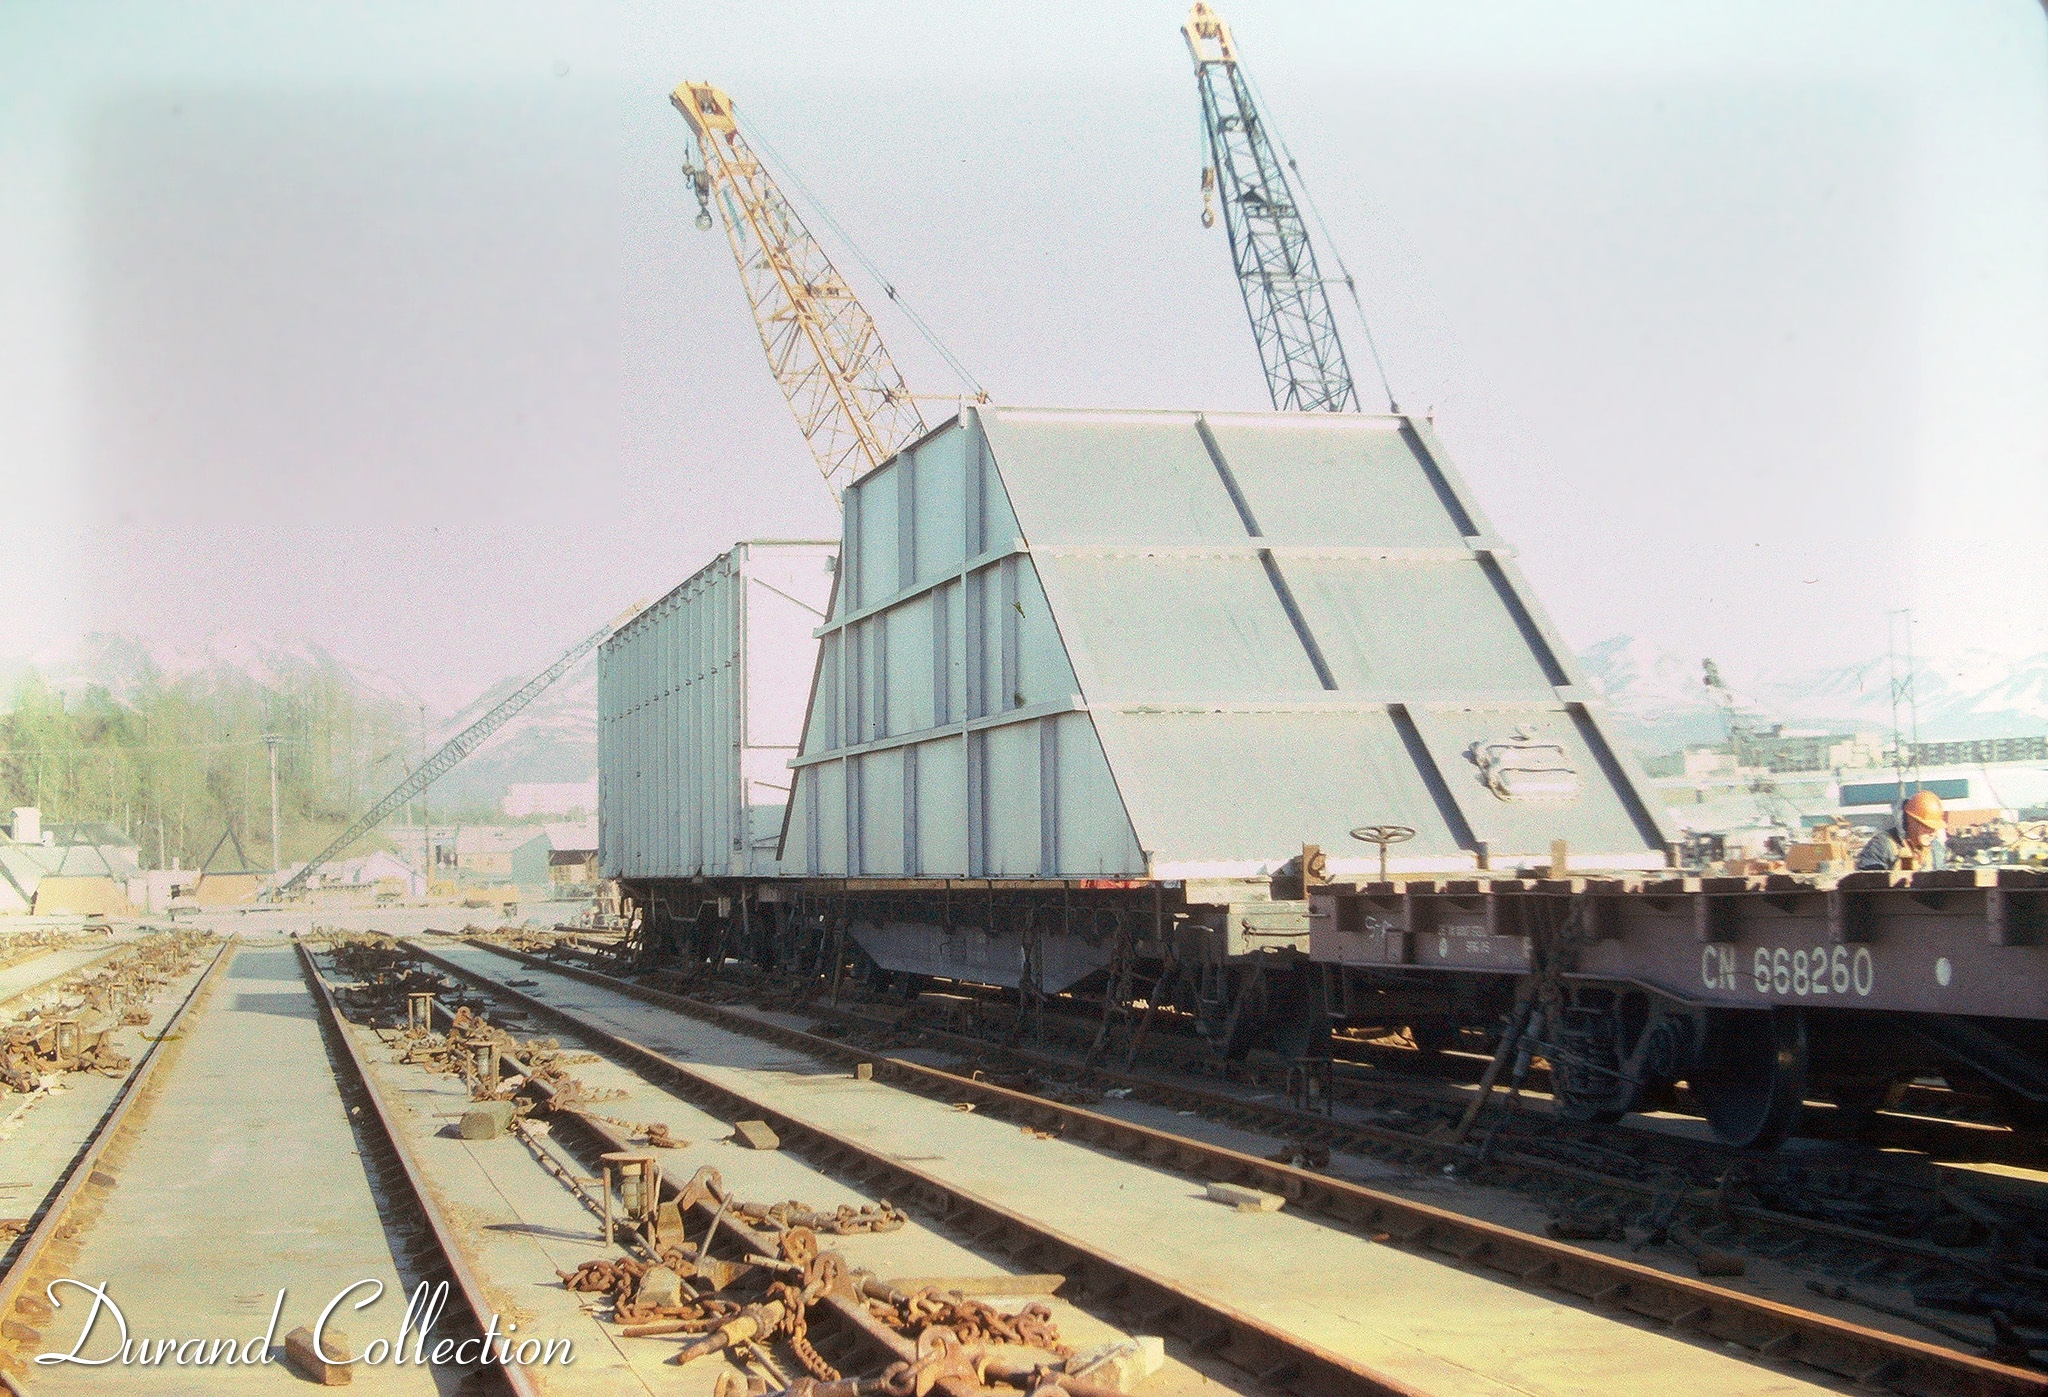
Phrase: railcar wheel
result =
(1300, 1017)
(1752, 1079)
(1434, 1035)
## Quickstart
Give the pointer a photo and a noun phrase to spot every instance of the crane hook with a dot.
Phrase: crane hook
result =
(1208, 192)
(700, 185)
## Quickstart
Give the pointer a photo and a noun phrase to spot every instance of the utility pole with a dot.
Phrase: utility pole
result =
(1906, 735)
(426, 822)
(271, 741)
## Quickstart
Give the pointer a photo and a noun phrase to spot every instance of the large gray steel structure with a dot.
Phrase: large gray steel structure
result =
(1143, 657)
(1176, 645)
(1092, 689)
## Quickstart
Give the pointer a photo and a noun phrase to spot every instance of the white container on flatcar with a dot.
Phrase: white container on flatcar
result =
(700, 702)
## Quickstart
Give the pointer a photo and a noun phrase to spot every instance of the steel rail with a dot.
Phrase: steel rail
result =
(91, 963)
(86, 1183)
(467, 1283)
(591, 1137)
(1772, 1331)
(1952, 1140)
(1412, 1146)
(1365, 1138)
(1156, 1305)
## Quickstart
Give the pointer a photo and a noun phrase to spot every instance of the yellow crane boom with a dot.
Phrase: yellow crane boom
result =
(822, 346)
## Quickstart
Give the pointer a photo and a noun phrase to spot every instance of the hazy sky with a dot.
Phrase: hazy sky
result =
(387, 324)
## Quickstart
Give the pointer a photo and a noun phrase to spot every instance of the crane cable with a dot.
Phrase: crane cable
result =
(824, 216)
(1350, 282)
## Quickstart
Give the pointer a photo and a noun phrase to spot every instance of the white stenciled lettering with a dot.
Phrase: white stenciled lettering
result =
(1797, 972)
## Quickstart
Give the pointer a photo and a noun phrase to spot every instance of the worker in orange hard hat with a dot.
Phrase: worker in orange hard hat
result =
(1917, 841)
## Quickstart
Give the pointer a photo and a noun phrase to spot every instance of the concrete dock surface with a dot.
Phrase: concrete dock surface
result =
(1424, 1322)
(245, 1182)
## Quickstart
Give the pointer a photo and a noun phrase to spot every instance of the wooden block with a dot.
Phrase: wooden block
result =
(1246, 1200)
(487, 1120)
(755, 1135)
(1121, 1365)
(863, 1071)
(327, 1368)
(660, 1286)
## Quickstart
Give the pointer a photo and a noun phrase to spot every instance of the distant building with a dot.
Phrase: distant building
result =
(380, 874)
(524, 799)
(572, 860)
(87, 868)
(480, 856)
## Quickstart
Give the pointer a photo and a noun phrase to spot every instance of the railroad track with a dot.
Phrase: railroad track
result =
(1946, 1125)
(437, 1254)
(124, 1153)
(49, 1244)
(1837, 1224)
(1272, 1357)
(1770, 1331)
(1827, 1202)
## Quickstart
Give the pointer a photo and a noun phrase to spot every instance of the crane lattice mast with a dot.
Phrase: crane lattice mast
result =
(452, 752)
(1276, 266)
(822, 345)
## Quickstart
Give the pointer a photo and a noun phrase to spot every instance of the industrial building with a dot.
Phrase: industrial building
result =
(87, 868)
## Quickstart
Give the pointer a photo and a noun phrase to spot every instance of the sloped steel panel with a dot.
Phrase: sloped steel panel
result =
(1140, 625)
(1107, 478)
(939, 528)
(942, 808)
(1596, 821)
(1095, 835)
(1013, 824)
(881, 812)
(991, 522)
(1371, 618)
(906, 701)
(873, 513)
(1237, 794)
(1349, 481)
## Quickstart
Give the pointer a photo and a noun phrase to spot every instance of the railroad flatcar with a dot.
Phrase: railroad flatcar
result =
(1089, 704)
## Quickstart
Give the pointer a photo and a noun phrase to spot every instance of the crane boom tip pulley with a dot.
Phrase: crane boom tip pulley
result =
(1208, 36)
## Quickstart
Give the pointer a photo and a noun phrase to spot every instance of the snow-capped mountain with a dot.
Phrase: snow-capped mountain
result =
(121, 663)
(554, 738)
(1662, 703)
